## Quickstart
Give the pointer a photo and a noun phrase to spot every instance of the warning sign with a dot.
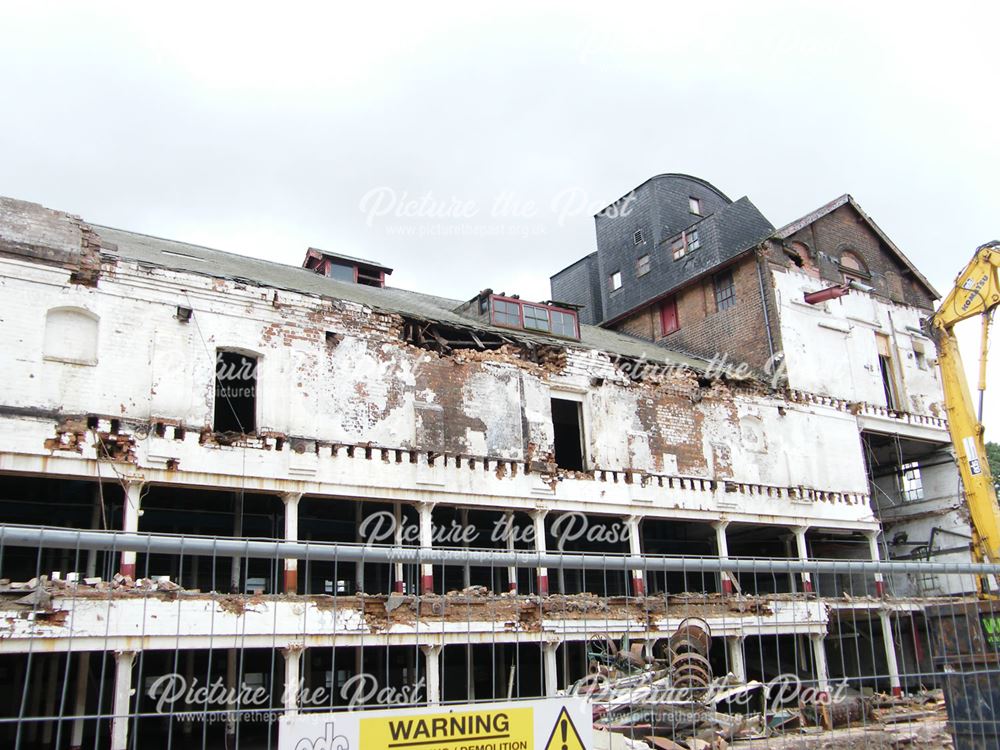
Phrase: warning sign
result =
(557, 723)
(564, 735)
(496, 729)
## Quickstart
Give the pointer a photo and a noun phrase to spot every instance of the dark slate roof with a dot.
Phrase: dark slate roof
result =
(162, 253)
(791, 228)
(724, 236)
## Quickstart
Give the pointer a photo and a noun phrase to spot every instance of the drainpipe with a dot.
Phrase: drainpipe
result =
(763, 302)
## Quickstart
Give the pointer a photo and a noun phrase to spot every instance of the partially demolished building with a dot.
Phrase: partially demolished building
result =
(702, 385)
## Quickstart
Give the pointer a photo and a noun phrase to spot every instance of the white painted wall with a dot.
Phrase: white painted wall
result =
(830, 348)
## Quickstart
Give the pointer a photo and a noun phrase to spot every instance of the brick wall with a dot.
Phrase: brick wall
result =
(821, 244)
(737, 331)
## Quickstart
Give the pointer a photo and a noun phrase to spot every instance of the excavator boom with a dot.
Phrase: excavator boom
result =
(976, 293)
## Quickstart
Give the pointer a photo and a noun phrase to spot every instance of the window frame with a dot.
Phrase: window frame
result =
(549, 310)
(611, 281)
(639, 272)
(694, 206)
(725, 296)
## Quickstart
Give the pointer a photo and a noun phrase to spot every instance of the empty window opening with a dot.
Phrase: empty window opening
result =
(642, 265)
(235, 393)
(694, 206)
(637, 237)
(567, 427)
(615, 280)
(668, 316)
(920, 354)
(725, 290)
(886, 370)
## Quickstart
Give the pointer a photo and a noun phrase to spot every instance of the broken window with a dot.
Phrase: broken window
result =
(688, 242)
(235, 393)
(642, 265)
(567, 428)
(668, 316)
(852, 267)
(725, 290)
(911, 484)
(512, 313)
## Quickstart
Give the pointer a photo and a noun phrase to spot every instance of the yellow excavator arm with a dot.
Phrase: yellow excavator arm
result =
(976, 292)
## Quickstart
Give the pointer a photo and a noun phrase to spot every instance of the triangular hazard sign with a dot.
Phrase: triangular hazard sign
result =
(564, 735)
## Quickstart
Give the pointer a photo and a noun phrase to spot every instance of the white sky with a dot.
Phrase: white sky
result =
(267, 129)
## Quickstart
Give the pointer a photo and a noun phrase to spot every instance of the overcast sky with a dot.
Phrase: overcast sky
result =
(264, 131)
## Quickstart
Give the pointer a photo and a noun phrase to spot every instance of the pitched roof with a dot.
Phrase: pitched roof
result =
(789, 229)
(179, 256)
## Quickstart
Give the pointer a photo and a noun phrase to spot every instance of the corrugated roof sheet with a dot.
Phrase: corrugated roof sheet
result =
(181, 256)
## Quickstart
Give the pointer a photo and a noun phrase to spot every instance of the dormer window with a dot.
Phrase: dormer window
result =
(345, 268)
(534, 316)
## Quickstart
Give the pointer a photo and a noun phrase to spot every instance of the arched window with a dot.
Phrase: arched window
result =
(70, 336)
(852, 267)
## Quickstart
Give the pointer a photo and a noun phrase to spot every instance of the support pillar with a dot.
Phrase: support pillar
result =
(432, 656)
(635, 549)
(722, 546)
(122, 699)
(426, 511)
(873, 547)
(130, 523)
(52, 683)
(398, 582)
(800, 544)
(737, 659)
(542, 576)
(890, 654)
(508, 519)
(463, 520)
(291, 502)
(290, 698)
(80, 704)
(819, 661)
(550, 668)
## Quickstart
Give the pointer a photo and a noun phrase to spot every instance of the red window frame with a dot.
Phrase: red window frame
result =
(669, 321)
(520, 310)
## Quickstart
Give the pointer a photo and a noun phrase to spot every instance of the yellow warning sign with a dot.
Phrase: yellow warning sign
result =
(564, 735)
(494, 729)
